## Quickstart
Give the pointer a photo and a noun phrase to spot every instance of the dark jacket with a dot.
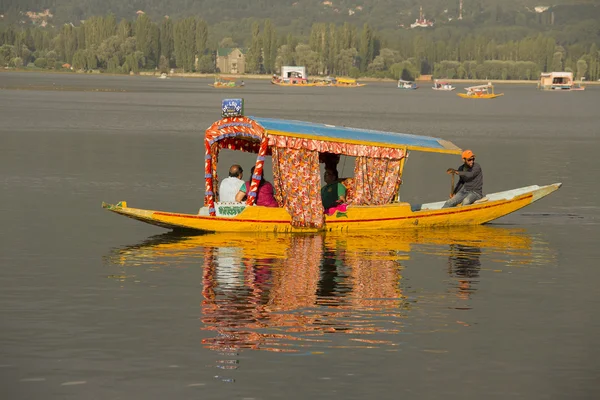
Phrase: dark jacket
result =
(471, 179)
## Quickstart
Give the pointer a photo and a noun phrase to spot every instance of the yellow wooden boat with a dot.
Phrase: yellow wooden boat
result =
(347, 82)
(480, 92)
(296, 149)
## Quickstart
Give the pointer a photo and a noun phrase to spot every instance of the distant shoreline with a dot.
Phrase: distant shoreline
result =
(268, 77)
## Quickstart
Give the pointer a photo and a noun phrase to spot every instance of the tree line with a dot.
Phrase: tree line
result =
(189, 44)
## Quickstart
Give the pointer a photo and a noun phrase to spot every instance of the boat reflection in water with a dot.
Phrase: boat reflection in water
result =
(291, 293)
(464, 264)
(281, 293)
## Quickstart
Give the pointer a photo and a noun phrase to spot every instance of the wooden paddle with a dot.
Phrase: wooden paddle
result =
(451, 184)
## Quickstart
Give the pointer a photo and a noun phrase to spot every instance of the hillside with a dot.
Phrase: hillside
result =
(299, 15)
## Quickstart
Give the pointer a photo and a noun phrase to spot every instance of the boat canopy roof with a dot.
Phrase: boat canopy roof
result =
(323, 137)
(557, 74)
(403, 81)
(346, 80)
(488, 85)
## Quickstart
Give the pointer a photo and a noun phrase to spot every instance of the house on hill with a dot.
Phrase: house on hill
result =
(231, 60)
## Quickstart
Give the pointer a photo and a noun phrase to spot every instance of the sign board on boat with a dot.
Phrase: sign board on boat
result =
(232, 108)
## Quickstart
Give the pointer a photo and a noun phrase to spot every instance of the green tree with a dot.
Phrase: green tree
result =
(124, 29)
(184, 43)
(306, 57)
(41, 63)
(253, 57)
(16, 62)
(166, 39)
(201, 37)
(206, 64)
(366, 51)
(7, 53)
(285, 56)
(345, 60)
(557, 61)
(582, 67)
(269, 44)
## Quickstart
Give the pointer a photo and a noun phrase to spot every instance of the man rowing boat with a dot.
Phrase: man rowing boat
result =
(470, 185)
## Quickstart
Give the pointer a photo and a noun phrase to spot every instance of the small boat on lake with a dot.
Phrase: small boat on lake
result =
(407, 85)
(443, 86)
(297, 149)
(225, 82)
(480, 92)
(559, 81)
(293, 81)
(347, 82)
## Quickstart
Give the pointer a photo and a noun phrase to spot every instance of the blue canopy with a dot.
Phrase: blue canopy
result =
(364, 136)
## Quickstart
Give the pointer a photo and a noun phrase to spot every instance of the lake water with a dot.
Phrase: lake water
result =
(96, 306)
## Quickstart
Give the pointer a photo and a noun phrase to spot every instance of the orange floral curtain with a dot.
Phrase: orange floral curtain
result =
(375, 180)
(296, 178)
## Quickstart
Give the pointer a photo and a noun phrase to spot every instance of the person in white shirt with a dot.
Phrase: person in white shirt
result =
(231, 185)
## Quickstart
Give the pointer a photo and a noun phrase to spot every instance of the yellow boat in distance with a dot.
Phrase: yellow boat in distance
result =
(347, 82)
(297, 149)
(225, 82)
(480, 92)
(335, 82)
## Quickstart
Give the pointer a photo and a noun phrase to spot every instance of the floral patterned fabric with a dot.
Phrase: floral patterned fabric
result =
(235, 133)
(323, 146)
(375, 180)
(296, 177)
(258, 172)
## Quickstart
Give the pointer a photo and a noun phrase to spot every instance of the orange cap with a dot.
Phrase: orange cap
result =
(467, 154)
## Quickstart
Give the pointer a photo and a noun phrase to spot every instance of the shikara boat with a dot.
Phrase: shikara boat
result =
(294, 81)
(407, 85)
(223, 82)
(480, 92)
(347, 82)
(443, 86)
(297, 149)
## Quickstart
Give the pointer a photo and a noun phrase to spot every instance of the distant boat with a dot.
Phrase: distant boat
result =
(444, 86)
(407, 85)
(347, 82)
(558, 81)
(222, 82)
(480, 92)
(163, 76)
(293, 81)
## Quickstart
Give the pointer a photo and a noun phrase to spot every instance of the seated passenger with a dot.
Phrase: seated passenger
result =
(230, 186)
(264, 194)
(333, 194)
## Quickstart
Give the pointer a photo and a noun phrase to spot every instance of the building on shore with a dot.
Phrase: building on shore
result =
(231, 60)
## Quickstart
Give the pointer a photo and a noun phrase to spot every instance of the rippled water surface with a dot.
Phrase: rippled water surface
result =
(96, 306)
